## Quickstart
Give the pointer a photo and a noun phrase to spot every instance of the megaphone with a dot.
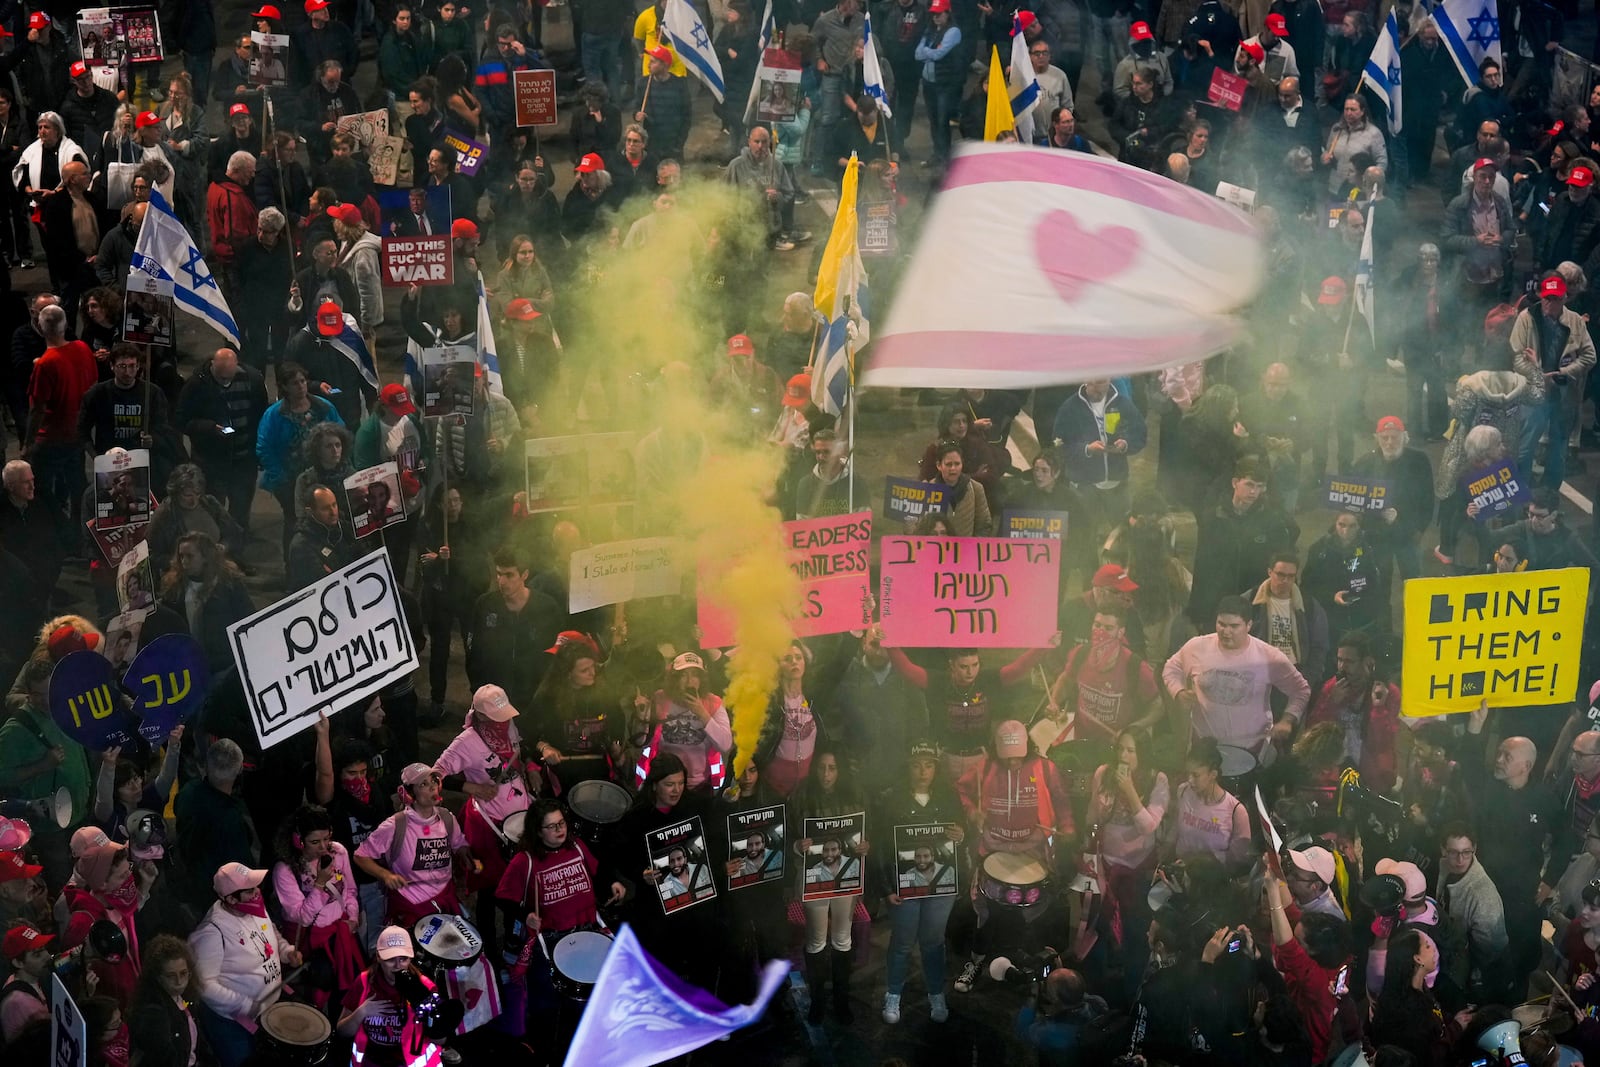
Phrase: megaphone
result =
(56, 808)
(1002, 969)
(1501, 1041)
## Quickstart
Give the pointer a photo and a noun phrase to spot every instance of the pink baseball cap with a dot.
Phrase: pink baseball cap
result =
(1010, 740)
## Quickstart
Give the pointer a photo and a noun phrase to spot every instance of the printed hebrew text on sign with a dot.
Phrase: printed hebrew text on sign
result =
(327, 646)
(909, 499)
(968, 592)
(1034, 525)
(1350, 493)
(1513, 638)
(535, 96)
(1495, 489)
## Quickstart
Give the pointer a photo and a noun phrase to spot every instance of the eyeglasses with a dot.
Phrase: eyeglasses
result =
(562, 825)
(1460, 853)
(1039, 52)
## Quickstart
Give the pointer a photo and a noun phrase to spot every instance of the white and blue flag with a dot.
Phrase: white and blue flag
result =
(769, 27)
(693, 44)
(487, 356)
(166, 260)
(871, 72)
(1470, 30)
(1023, 83)
(1365, 306)
(1382, 72)
(350, 344)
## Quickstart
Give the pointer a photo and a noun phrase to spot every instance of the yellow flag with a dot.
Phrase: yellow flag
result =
(841, 242)
(997, 116)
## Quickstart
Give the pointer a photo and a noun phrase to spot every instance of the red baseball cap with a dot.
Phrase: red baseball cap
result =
(267, 11)
(330, 319)
(590, 163)
(522, 310)
(1390, 422)
(147, 118)
(1140, 31)
(1484, 162)
(348, 214)
(38, 21)
(13, 867)
(20, 940)
(79, 69)
(394, 397)
(1114, 576)
(660, 52)
(936, 6)
(1278, 25)
(1581, 176)
(239, 109)
(463, 228)
(797, 393)
(1333, 291)
(1555, 285)
(1254, 51)
(316, 5)
(1026, 19)
(741, 345)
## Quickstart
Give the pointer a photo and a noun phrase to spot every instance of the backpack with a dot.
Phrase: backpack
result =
(402, 817)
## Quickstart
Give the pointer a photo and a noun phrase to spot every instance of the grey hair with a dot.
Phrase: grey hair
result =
(224, 759)
(1298, 154)
(186, 476)
(1573, 275)
(1427, 248)
(271, 220)
(1480, 443)
(55, 120)
(239, 159)
(330, 64)
(14, 470)
(634, 127)
(52, 320)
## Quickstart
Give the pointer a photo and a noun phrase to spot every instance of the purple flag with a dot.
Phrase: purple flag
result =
(641, 1013)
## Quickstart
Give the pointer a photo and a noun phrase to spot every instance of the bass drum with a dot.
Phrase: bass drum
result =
(293, 1034)
(576, 960)
(595, 804)
(1014, 880)
(444, 943)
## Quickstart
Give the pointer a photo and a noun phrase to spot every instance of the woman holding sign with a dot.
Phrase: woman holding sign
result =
(827, 792)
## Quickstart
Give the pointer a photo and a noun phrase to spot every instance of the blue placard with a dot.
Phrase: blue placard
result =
(1496, 488)
(1036, 525)
(909, 499)
(87, 703)
(1353, 493)
(168, 681)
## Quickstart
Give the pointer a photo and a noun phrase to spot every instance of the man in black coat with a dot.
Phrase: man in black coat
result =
(1237, 539)
(1431, 81)
(220, 410)
(87, 111)
(1409, 475)
(321, 39)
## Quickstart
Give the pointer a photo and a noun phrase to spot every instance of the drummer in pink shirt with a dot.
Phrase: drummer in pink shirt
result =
(412, 851)
(488, 754)
(316, 892)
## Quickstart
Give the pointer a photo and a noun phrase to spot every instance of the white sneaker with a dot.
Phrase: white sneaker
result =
(937, 1008)
(891, 1008)
(968, 977)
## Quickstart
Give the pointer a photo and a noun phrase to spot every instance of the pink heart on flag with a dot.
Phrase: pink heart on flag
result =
(1074, 257)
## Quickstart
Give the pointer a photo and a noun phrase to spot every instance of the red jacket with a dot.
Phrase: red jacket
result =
(1377, 739)
(231, 214)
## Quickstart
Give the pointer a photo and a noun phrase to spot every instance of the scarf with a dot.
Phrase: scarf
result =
(1103, 650)
(125, 898)
(497, 735)
(360, 788)
(1586, 789)
(256, 907)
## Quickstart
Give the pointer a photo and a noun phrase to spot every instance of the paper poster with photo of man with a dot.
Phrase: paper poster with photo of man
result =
(269, 66)
(148, 318)
(374, 499)
(122, 637)
(683, 873)
(449, 375)
(136, 584)
(833, 860)
(925, 861)
(122, 487)
(755, 847)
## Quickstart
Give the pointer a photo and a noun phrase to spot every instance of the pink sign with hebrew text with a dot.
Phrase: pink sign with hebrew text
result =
(968, 592)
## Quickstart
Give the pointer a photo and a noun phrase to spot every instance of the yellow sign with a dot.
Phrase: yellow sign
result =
(1514, 638)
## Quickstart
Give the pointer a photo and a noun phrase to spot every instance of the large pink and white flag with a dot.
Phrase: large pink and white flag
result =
(1038, 266)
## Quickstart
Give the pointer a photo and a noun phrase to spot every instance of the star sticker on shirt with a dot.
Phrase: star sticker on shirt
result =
(1485, 28)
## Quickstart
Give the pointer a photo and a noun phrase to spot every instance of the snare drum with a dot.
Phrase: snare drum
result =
(444, 943)
(576, 960)
(511, 828)
(294, 1034)
(1013, 879)
(595, 804)
(1237, 763)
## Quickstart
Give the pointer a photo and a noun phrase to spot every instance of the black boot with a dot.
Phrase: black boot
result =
(842, 963)
(816, 978)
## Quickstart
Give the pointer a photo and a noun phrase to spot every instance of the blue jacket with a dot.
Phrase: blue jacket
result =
(1076, 427)
(276, 439)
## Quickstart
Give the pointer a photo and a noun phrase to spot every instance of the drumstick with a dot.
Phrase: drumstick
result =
(1557, 987)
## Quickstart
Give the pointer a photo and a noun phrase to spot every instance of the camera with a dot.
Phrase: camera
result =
(1033, 970)
(438, 1014)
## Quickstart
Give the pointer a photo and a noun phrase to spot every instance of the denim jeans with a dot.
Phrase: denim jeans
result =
(1548, 419)
(828, 113)
(920, 922)
(602, 62)
(942, 101)
(231, 1044)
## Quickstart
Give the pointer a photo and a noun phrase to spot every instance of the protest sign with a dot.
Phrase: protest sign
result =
(420, 212)
(583, 470)
(447, 379)
(69, 1032)
(374, 499)
(1350, 493)
(365, 126)
(878, 227)
(620, 571)
(1034, 525)
(470, 154)
(678, 854)
(325, 647)
(833, 866)
(168, 681)
(1513, 638)
(122, 488)
(535, 94)
(383, 159)
(148, 318)
(136, 585)
(417, 261)
(116, 541)
(86, 702)
(122, 638)
(778, 85)
(830, 556)
(968, 592)
(909, 499)
(925, 861)
(1237, 195)
(1495, 489)
(756, 847)
(267, 66)
(1227, 90)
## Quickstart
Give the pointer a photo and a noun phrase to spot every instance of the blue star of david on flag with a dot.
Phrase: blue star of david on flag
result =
(168, 254)
(1485, 29)
(193, 268)
(1470, 30)
(689, 39)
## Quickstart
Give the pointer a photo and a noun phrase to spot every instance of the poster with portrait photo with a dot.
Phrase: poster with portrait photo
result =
(678, 853)
(269, 66)
(97, 41)
(136, 584)
(140, 30)
(755, 847)
(122, 638)
(148, 318)
(449, 374)
(122, 488)
(924, 860)
(833, 862)
(778, 85)
(374, 500)
(423, 212)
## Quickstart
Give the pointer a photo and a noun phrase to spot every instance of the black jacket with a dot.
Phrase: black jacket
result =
(227, 603)
(206, 405)
(87, 119)
(1410, 478)
(1232, 553)
(159, 1029)
(312, 47)
(315, 552)
(509, 648)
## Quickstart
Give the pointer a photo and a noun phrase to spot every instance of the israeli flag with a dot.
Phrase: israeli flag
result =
(871, 72)
(693, 44)
(763, 41)
(1471, 31)
(1365, 304)
(352, 346)
(166, 260)
(1023, 84)
(1382, 71)
(486, 346)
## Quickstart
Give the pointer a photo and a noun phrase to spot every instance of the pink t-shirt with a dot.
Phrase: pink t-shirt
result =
(1233, 687)
(1127, 838)
(424, 859)
(471, 758)
(306, 904)
(1208, 827)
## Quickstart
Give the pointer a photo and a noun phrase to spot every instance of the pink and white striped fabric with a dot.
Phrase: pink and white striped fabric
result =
(1038, 266)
